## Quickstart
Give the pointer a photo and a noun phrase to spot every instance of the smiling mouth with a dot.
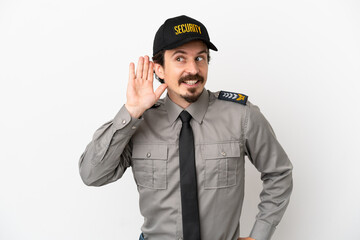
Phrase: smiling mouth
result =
(191, 82)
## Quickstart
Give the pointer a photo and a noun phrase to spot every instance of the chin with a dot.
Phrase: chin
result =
(190, 98)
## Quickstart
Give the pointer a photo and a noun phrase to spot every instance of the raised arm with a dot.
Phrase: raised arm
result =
(107, 156)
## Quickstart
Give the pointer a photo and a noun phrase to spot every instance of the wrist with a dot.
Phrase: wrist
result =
(134, 112)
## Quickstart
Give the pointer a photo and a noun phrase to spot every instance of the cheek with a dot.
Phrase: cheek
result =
(204, 72)
(171, 79)
(173, 76)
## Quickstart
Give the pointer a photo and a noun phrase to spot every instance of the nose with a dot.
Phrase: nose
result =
(192, 67)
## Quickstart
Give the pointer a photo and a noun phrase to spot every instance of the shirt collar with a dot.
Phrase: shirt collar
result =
(196, 109)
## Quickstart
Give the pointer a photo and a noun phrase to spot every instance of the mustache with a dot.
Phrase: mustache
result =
(191, 77)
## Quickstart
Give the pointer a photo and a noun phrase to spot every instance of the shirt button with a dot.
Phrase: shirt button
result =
(148, 155)
(223, 153)
(123, 121)
(133, 127)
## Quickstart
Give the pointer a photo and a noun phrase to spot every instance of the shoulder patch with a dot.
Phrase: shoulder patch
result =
(233, 97)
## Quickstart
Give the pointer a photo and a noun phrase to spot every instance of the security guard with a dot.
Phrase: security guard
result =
(187, 150)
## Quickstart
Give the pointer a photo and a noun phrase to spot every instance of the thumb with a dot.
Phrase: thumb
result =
(160, 90)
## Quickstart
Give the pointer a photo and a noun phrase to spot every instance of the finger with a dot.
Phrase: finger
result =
(160, 90)
(131, 72)
(139, 68)
(146, 67)
(150, 73)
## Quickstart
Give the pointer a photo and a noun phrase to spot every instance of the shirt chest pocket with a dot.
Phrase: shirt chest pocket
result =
(149, 165)
(221, 164)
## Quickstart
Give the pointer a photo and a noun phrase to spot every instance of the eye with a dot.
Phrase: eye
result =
(199, 59)
(180, 59)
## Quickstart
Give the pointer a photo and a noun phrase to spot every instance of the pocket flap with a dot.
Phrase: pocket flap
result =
(149, 151)
(220, 150)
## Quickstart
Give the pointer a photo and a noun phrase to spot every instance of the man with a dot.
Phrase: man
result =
(187, 151)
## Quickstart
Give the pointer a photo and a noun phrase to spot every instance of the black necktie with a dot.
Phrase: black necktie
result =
(188, 183)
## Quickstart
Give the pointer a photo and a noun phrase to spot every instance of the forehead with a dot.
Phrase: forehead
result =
(193, 47)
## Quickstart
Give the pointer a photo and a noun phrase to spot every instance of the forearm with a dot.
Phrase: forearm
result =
(275, 198)
(108, 154)
(267, 155)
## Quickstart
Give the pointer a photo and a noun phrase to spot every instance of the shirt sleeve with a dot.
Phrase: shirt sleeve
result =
(107, 156)
(266, 154)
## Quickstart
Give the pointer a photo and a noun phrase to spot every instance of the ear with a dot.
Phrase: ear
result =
(159, 70)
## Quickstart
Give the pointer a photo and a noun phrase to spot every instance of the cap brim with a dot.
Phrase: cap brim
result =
(183, 41)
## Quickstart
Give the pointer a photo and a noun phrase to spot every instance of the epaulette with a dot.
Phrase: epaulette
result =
(233, 97)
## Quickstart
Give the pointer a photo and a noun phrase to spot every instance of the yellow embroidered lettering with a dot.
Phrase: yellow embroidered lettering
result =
(177, 31)
(182, 28)
(191, 28)
(187, 27)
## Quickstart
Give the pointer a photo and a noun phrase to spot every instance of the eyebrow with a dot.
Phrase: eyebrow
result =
(183, 52)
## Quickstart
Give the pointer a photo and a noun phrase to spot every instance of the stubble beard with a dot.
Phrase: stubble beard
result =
(191, 98)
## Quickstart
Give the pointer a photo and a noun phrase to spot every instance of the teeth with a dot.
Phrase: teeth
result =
(191, 82)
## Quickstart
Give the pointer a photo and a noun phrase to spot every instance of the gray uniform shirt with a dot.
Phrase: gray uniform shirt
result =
(224, 133)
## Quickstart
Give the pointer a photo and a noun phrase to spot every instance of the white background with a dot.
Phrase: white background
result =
(64, 70)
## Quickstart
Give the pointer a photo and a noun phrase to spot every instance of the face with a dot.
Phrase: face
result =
(185, 72)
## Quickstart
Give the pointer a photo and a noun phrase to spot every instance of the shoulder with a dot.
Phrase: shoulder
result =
(155, 111)
(251, 113)
(233, 101)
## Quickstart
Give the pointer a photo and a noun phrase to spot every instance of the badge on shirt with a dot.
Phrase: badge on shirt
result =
(233, 97)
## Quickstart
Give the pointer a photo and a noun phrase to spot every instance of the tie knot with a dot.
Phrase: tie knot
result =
(185, 117)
